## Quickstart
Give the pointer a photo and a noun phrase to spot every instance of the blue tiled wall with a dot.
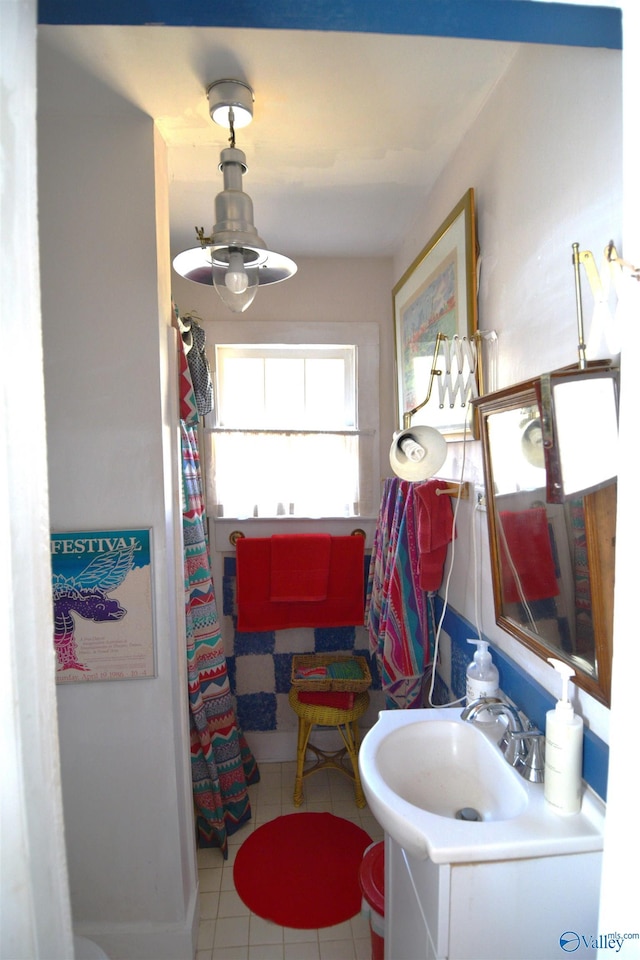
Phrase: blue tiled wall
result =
(530, 697)
(260, 665)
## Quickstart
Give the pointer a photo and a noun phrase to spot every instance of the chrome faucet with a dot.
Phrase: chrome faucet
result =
(516, 741)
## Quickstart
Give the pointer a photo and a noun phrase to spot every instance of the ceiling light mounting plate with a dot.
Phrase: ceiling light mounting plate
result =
(234, 94)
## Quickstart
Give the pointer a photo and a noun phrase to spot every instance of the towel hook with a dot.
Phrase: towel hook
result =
(460, 490)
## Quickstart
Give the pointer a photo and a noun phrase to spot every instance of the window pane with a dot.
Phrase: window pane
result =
(284, 394)
(241, 392)
(308, 475)
(325, 395)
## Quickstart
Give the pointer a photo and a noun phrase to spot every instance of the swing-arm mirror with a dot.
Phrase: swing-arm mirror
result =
(552, 562)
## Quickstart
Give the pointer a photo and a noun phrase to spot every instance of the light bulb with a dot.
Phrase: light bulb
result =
(235, 277)
(237, 298)
(411, 449)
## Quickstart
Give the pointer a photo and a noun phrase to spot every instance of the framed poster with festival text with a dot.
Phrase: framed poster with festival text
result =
(103, 605)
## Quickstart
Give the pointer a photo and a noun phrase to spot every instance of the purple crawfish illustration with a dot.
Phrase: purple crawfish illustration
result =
(86, 595)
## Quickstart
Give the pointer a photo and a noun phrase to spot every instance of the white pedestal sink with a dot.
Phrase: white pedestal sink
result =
(420, 767)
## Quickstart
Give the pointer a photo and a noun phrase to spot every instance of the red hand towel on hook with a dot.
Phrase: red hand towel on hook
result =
(300, 567)
(435, 530)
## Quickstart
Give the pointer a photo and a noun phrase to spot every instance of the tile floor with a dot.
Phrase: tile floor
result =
(228, 930)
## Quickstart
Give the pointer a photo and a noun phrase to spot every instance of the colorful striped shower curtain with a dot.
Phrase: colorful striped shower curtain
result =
(396, 609)
(222, 765)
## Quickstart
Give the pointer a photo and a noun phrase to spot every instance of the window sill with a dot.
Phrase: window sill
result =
(268, 526)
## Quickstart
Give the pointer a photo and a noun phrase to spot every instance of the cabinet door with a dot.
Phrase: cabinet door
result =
(518, 909)
(416, 906)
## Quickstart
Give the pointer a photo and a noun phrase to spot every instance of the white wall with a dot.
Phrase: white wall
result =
(35, 915)
(544, 157)
(111, 403)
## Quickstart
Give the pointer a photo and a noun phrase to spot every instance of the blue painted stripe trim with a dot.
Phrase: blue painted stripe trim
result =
(530, 697)
(522, 21)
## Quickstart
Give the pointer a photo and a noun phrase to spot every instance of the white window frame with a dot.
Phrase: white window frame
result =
(365, 336)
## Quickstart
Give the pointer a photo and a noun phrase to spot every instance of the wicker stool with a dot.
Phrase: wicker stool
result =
(346, 721)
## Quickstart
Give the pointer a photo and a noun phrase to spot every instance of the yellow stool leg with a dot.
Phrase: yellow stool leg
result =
(351, 737)
(304, 731)
(360, 799)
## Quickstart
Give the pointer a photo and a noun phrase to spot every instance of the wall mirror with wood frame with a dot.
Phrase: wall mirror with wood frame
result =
(552, 563)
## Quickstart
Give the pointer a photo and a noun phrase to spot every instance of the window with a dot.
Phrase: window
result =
(286, 437)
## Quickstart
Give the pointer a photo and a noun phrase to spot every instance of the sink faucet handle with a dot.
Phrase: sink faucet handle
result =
(514, 746)
(530, 763)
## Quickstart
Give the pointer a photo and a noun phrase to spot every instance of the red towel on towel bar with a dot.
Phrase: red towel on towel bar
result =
(300, 567)
(343, 607)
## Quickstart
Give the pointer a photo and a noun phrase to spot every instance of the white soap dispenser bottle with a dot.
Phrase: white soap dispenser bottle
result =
(482, 677)
(563, 750)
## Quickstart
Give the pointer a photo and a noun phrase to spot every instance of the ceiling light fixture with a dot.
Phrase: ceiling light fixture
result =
(234, 258)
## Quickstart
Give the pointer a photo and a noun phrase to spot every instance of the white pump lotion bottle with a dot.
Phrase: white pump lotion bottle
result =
(563, 750)
(482, 678)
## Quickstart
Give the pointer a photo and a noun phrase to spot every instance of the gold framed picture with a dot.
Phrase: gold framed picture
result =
(438, 295)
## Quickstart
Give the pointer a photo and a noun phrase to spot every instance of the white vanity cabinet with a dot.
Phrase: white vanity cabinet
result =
(499, 910)
(509, 887)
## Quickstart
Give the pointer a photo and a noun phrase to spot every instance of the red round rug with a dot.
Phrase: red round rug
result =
(302, 870)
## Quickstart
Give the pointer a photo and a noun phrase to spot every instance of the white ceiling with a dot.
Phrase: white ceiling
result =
(350, 131)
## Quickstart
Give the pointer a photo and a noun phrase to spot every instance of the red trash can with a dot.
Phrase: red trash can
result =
(371, 877)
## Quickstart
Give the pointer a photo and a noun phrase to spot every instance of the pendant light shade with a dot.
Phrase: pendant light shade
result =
(234, 259)
(198, 265)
